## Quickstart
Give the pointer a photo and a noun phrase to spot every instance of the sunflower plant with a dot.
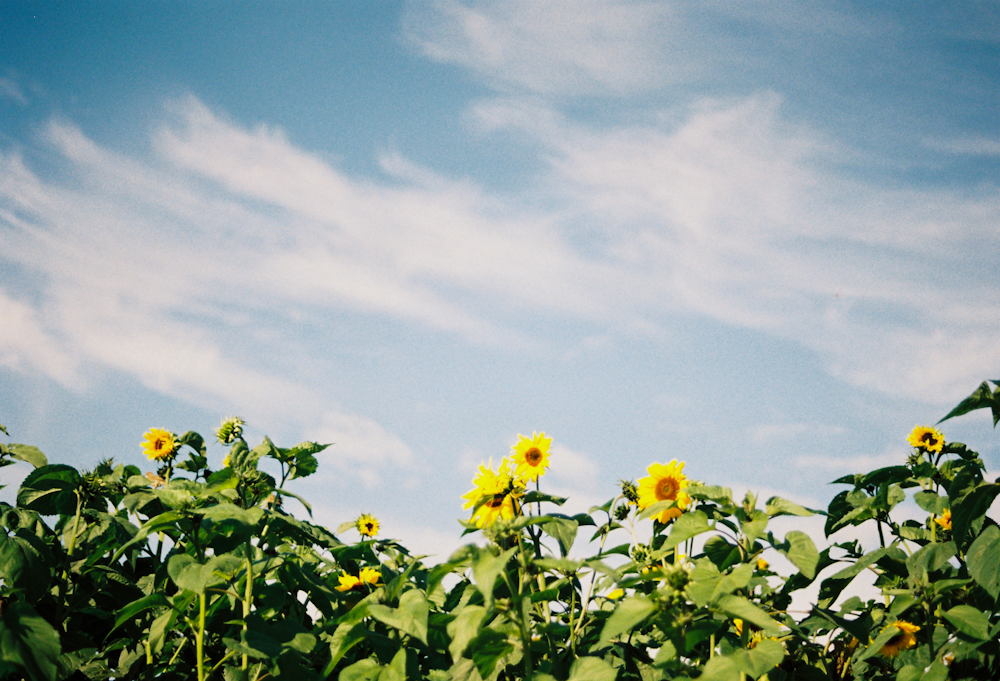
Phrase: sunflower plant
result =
(201, 570)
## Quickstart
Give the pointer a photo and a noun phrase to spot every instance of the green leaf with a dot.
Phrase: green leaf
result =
(344, 638)
(362, 670)
(930, 557)
(29, 642)
(128, 613)
(931, 502)
(305, 504)
(802, 552)
(720, 668)
(410, 618)
(969, 506)
(32, 455)
(852, 627)
(759, 660)
(777, 506)
(984, 567)
(685, 527)
(753, 525)
(738, 607)
(981, 398)
(534, 495)
(487, 648)
(187, 573)
(562, 530)
(875, 646)
(486, 568)
(464, 628)
(969, 621)
(4, 430)
(49, 490)
(739, 578)
(720, 495)
(23, 563)
(721, 552)
(591, 669)
(629, 614)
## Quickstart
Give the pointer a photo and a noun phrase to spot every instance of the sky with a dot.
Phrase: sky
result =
(757, 237)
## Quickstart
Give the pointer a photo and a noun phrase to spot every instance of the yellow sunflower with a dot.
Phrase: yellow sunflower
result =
(665, 483)
(348, 582)
(944, 520)
(367, 525)
(926, 438)
(369, 575)
(531, 456)
(902, 640)
(366, 576)
(762, 564)
(159, 444)
(493, 495)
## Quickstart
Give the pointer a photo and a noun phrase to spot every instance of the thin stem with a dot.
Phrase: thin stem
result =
(248, 597)
(200, 642)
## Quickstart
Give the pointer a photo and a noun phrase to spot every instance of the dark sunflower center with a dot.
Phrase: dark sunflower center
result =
(533, 456)
(666, 489)
(897, 639)
(159, 444)
(929, 439)
(369, 526)
(495, 501)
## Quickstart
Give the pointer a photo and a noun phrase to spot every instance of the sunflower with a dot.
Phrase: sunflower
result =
(531, 456)
(225, 462)
(348, 582)
(903, 639)
(493, 494)
(665, 483)
(159, 444)
(944, 520)
(762, 564)
(367, 525)
(926, 438)
(369, 575)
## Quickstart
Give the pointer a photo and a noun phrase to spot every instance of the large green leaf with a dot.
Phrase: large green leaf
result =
(410, 618)
(799, 548)
(29, 642)
(464, 628)
(970, 621)
(687, 526)
(24, 563)
(591, 669)
(930, 557)
(32, 455)
(969, 505)
(49, 490)
(188, 573)
(629, 614)
(777, 506)
(128, 613)
(760, 659)
(739, 607)
(486, 567)
(983, 560)
(981, 398)
(563, 531)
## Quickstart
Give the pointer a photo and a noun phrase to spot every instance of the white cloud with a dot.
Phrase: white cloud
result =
(591, 46)
(9, 89)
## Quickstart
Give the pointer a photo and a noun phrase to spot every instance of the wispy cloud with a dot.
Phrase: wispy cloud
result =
(591, 47)
(9, 89)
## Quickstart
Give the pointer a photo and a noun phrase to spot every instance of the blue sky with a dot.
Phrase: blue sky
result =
(761, 239)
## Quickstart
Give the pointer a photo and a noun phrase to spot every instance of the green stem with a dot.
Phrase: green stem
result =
(201, 637)
(248, 596)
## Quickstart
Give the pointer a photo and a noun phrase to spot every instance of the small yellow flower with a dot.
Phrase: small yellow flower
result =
(738, 626)
(665, 483)
(369, 575)
(225, 462)
(531, 456)
(348, 582)
(762, 564)
(615, 594)
(367, 525)
(902, 640)
(944, 520)
(926, 438)
(159, 444)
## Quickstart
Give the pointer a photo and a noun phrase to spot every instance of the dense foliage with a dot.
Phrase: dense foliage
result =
(190, 572)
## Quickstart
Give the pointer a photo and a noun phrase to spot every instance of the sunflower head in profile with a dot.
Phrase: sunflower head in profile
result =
(666, 482)
(159, 444)
(230, 431)
(348, 582)
(531, 456)
(367, 525)
(493, 495)
(926, 438)
(903, 639)
(944, 520)
(369, 575)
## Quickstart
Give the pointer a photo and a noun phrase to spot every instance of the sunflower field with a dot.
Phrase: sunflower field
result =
(188, 572)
